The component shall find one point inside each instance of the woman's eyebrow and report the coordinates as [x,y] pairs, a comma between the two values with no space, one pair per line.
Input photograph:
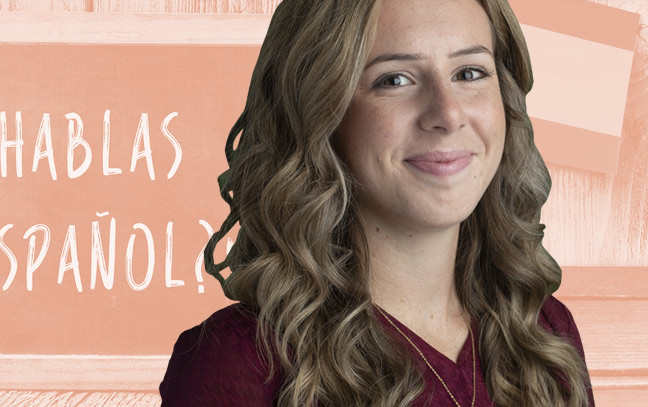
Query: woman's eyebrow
[475,49]
[396,57]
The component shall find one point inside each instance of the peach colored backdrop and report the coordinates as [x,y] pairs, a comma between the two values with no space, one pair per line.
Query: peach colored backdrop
[178,79]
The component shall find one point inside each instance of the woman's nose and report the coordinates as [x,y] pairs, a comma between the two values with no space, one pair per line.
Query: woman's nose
[442,111]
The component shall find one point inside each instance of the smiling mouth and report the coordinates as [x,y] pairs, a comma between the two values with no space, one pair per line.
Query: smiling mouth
[441,164]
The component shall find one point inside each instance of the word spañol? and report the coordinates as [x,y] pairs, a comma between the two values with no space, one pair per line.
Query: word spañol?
[99,268]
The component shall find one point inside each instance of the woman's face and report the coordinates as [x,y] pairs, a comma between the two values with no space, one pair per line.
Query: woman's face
[425,131]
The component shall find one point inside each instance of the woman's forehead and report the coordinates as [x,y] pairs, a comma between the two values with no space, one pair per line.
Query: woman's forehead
[432,27]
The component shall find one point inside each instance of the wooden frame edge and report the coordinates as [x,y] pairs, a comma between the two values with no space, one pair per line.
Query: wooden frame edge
[131,28]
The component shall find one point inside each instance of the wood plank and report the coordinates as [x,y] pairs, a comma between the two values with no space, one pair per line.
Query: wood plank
[630,397]
[543,14]
[603,283]
[621,397]
[614,333]
[557,141]
[614,380]
[132,28]
[129,6]
[219,6]
[43,5]
[13,398]
[82,372]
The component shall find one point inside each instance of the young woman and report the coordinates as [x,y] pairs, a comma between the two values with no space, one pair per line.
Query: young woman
[389,192]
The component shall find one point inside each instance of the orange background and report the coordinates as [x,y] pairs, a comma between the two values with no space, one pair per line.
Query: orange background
[119,340]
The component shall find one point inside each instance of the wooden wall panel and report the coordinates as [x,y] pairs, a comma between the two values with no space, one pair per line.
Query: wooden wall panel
[599,220]
[598,225]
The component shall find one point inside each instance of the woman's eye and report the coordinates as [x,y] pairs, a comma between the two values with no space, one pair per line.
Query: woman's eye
[472,74]
[393,81]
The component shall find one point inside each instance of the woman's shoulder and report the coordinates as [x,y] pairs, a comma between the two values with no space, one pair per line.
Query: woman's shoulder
[555,313]
[556,317]
[217,363]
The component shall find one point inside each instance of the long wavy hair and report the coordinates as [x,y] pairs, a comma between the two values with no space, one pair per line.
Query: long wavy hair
[300,258]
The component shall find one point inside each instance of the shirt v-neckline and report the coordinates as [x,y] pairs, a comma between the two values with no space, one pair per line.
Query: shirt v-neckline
[430,352]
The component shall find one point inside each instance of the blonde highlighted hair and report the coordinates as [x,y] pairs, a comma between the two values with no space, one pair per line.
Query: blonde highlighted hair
[300,258]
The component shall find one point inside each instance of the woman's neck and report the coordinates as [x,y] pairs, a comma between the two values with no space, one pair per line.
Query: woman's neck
[412,275]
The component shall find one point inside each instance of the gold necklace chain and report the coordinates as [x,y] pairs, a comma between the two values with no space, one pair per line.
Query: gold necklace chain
[472,342]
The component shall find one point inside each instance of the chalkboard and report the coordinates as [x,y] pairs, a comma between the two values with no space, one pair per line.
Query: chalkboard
[110,193]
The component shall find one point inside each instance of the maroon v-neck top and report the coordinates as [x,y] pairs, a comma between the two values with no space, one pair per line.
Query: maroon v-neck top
[216,363]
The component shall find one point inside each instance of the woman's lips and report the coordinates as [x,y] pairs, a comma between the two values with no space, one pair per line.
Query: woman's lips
[441,164]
